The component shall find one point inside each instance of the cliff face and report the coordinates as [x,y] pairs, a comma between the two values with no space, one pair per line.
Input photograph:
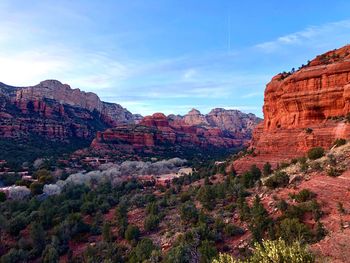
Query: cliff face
[304,109]
[64,94]
[55,111]
[158,133]
[226,120]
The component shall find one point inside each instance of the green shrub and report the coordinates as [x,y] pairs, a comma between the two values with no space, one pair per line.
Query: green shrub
[207,196]
[283,165]
[180,254]
[50,255]
[132,233]
[273,251]
[37,235]
[316,166]
[152,208]
[107,232]
[315,153]
[232,230]
[279,179]
[151,222]
[304,167]
[282,205]
[185,196]
[15,255]
[16,225]
[333,172]
[207,251]
[303,196]
[88,208]
[259,221]
[249,178]
[302,160]
[331,159]
[290,230]
[267,170]
[36,188]
[189,212]
[143,251]
[339,142]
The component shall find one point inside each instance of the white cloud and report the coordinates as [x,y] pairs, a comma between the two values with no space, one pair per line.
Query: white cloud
[29,67]
[330,32]
[189,74]
[252,94]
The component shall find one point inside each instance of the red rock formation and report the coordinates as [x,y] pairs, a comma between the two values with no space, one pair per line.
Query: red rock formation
[226,120]
[62,93]
[55,111]
[158,131]
[303,110]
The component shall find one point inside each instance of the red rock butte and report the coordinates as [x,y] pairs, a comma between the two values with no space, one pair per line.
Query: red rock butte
[303,109]
[159,130]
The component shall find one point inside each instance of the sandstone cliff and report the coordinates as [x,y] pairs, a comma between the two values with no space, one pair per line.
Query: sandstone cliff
[56,111]
[64,94]
[303,109]
[227,120]
[158,133]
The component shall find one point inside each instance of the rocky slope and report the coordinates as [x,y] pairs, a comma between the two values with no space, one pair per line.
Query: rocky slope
[332,192]
[158,133]
[303,109]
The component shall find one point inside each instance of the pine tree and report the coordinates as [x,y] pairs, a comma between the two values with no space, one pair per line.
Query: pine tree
[37,235]
[50,255]
[106,232]
[259,220]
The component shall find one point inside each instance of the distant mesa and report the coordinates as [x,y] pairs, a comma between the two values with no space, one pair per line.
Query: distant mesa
[56,111]
[158,133]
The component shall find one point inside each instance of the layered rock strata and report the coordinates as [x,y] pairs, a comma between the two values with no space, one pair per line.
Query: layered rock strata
[55,111]
[303,109]
[157,132]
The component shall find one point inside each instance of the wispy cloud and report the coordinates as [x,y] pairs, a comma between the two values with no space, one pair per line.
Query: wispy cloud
[189,74]
[252,94]
[105,63]
[310,34]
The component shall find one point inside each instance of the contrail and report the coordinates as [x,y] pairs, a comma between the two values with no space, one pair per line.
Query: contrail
[229,33]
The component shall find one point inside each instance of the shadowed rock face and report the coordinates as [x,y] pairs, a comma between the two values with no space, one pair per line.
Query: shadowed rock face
[159,132]
[55,111]
[304,109]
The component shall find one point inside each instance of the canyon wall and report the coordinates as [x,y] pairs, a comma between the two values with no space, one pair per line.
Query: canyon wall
[56,111]
[303,109]
[158,132]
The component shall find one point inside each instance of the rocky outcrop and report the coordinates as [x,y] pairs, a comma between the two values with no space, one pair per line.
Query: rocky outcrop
[158,133]
[227,120]
[194,117]
[303,109]
[62,93]
[55,111]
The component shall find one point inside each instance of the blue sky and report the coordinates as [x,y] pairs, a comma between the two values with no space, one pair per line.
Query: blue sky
[166,55]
